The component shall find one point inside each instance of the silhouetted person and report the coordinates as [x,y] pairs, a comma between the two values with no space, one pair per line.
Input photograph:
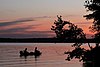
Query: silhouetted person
[25,52]
[36,52]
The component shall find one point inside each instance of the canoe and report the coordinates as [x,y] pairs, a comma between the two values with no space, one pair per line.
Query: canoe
[36,54]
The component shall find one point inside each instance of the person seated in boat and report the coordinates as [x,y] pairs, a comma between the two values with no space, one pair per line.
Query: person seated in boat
[25,52]
[36,50]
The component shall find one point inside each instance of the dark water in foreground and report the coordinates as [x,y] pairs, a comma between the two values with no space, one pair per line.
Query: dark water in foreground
[52,55]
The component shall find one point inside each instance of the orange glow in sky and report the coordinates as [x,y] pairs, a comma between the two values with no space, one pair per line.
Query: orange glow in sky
[33,16]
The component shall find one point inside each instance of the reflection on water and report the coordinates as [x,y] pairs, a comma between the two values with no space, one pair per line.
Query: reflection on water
[52,55]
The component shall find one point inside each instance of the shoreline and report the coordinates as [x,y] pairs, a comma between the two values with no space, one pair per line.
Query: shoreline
[46,40]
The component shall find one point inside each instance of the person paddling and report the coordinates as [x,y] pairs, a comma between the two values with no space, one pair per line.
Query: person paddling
[25,52]
[36,50]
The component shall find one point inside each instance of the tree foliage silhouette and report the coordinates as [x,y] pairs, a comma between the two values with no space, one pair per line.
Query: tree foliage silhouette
[67,30]
[90,56]
[94,7]
[72,32]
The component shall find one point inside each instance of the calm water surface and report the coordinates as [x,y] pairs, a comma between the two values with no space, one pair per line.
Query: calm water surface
[52,55]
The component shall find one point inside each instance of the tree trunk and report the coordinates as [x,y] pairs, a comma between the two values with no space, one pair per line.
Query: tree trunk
[88,64]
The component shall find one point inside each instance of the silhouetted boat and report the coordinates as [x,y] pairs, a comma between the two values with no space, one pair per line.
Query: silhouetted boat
[36,54]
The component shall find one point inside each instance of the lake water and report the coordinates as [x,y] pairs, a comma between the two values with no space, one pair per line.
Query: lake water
[52,55]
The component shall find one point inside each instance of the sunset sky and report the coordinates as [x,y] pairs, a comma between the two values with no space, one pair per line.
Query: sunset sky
[34,18]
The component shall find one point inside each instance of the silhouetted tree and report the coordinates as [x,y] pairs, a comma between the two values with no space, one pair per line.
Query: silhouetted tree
[70,31]
[90,57]
[94,7]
